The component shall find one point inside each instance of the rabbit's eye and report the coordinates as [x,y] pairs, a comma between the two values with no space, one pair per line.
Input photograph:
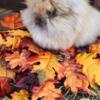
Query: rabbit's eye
[52,13]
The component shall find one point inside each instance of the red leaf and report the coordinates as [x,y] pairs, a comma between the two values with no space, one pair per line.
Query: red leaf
[12,21]
[5,88]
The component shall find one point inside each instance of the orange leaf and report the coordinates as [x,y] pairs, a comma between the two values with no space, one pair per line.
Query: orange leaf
[18,59]
[46,91]
[95,48]
[12,21]
[48,63]
[75,79]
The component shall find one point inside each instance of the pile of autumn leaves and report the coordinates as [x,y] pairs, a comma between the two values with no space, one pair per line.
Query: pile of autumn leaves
[26,71]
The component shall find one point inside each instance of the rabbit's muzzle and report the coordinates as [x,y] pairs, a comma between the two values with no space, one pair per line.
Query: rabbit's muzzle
[41,22]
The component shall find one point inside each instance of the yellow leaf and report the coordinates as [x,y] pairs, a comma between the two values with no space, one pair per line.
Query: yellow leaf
[18,32]
[21,95]
[6,72]
[2,41]
[91,66]
[12,41]
[48,63]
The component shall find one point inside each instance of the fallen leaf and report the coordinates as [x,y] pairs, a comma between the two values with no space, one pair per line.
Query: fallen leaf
[91,66]
[5,87]
[18,33]
[94,48]
[48,63]
[28,43]
[18,59]
[21,95]
[10,41]
[21,80]
[46,91]
[69,53]
[12,21]
[75,79]
[4,72]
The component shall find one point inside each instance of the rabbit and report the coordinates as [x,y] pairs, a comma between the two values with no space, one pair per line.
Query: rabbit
[60,24]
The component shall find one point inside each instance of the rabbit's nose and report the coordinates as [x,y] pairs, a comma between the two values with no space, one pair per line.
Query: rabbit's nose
[52,13]
[40,21]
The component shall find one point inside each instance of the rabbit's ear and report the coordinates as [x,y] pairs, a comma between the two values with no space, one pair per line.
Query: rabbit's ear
[14,5]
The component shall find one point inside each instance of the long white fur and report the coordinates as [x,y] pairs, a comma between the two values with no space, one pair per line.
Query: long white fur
[79,29]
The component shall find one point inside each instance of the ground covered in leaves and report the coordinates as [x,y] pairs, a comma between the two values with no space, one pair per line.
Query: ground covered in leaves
[28,72]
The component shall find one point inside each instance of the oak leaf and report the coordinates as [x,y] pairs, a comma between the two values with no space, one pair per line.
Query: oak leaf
[18,59]
[46,91]
[75,79]
[91,66]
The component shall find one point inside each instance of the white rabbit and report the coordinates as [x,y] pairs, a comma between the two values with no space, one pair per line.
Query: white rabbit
[59,24]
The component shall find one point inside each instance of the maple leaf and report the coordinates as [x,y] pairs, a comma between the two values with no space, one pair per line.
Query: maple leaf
[91,66]
[46,91]
[28,43]
[18,33]
[12,21]
[10,41]
[4,72]
[94,48]
[18,59]
[75,79]
[21,95]
[69,53]
[21,80]
[5,88]
[48,63]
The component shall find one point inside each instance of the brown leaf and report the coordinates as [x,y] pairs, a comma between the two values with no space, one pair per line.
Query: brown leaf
[46,91]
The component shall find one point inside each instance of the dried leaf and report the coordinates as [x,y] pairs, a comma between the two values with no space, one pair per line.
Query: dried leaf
[5,87]
[10,41]
[28,43]
[21,95]
[18,59]
[12,21]
[94,48]
[91,66]
[46,91]
[18,33]
[48,63]
[6,73]
[75,79]
[21,80]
